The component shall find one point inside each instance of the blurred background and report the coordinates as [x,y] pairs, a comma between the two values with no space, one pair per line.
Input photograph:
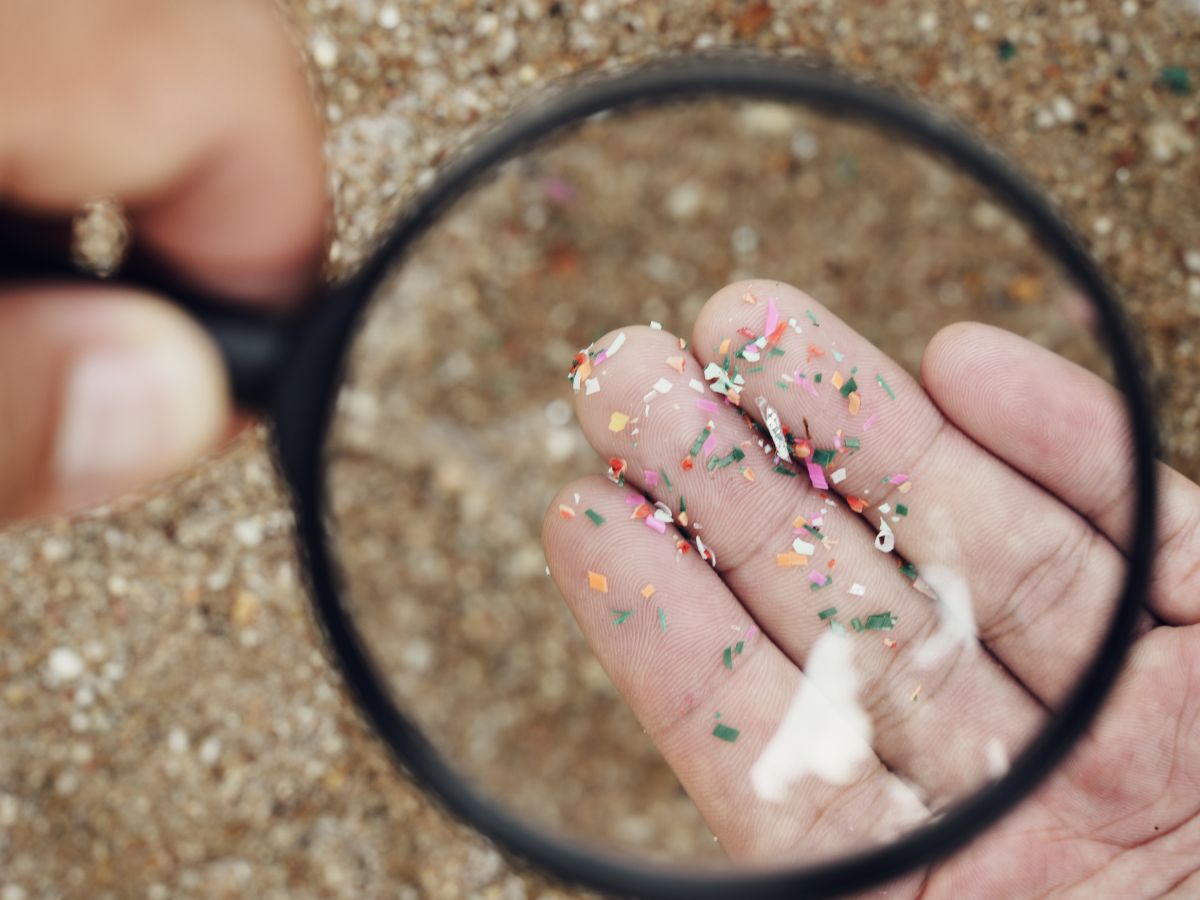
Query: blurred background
[169,724]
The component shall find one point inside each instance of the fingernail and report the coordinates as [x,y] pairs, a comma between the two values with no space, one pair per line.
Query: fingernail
[126,416]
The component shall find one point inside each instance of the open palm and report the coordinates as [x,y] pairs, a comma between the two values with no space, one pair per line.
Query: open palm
[706,571]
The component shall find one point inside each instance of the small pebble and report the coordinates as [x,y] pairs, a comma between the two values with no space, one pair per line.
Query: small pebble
[64,664]
[324,51]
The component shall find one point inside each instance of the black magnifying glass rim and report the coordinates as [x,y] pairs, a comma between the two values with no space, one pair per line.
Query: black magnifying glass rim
[305,405]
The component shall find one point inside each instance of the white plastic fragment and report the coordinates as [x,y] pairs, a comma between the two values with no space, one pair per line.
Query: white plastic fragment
[592,385]
[885,540]
[838,475]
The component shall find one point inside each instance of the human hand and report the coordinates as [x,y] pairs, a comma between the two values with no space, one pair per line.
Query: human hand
[1007,428]
[197,118]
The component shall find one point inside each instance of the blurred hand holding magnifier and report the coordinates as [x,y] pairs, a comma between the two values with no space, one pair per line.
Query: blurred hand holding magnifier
[836,617]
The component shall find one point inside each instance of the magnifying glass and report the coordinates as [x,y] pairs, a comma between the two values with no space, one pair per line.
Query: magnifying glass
[792,659]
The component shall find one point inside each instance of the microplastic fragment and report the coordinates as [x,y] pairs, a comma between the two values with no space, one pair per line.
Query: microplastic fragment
[774,427]
[618,421]
[656,524]
[620,615]
[804,548]
[737,648]
[790,559]
[666,480]
[784,470]
[651,477]
[885,540]
[856,624]
[884,507]
[655,326]
[910,570]
[617,344]
[592,385]
[838,475]
[819,579]
[849,387]
[855,403]
[879,622]
[662,619]
[836,627]
[696,385]
[772,317]
[857,589]
[838,381]
[812,318]
[596,518]
[648,591]
[720,462]
[883,384]
[663,386]
[706,405]
[676,363]
[816,476]
[565,511]
[724,348]
[853,443]
[901,509]
[598,582]
[698,444]
[823,457]
[826,613]
[728,658]
[870,421]
[725,733]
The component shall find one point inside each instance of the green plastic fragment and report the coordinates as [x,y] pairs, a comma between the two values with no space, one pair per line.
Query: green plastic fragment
[596,518]
[1176,79]
[901,509]
[883,384]
[813,586]
[856,624]
[775,351]
[725,733]
[826,613]
[849,387]
[782,385]
[814,532]
[853,443]
[836,627]
[784,470]
[729,658]
[755,370]
[823,457]
[666,480]
[662,619]
[812,318]
[620,615]
[737,648]
[1006,49]
[910,570]
[880,622]
[817,378]
[698,444]
[682,503]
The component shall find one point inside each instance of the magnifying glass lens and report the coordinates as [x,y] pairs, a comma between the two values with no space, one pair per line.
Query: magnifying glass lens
[655,522]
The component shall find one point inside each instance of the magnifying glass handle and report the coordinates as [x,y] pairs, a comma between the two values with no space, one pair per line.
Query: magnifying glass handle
[253,344]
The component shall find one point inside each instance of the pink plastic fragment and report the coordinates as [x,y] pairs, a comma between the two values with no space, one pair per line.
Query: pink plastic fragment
[657,525]
[772,317]
[870,421]
[710,445]
[817,577]
[808,385]
[898,478]
[816,476]
[706,405]
[651,477]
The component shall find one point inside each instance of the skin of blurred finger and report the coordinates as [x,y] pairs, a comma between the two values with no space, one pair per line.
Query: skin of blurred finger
[1067,429]
[66,445]
[675,681]
[195,115]
[966,701]
[1021,549]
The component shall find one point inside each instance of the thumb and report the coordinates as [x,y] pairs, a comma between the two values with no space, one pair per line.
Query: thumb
[101,390]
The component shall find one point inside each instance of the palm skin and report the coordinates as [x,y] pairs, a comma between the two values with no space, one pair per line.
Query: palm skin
[1014,464]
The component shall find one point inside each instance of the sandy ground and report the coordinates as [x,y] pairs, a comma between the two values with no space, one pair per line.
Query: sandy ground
[206,748]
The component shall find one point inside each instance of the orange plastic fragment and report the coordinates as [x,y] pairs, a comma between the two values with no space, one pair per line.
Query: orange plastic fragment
[686,464]
[642,510]
[676,363]
[749,473]
[790,560]
[565,511]
[648,591]
[724,348]
[598,582]
[855,403]
[856,503]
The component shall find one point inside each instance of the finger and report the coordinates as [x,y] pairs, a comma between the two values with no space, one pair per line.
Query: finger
[101,390]
[681,448]
[196,115]
[1067,429]
[659,623]
[1040,578]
